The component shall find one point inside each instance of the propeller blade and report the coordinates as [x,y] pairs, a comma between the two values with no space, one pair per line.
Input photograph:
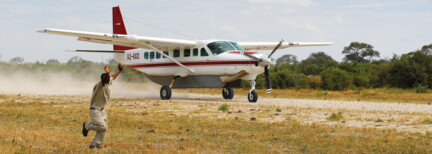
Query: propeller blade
[267,79]
[280,42]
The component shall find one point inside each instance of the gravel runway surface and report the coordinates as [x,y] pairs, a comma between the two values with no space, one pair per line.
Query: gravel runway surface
[400,116]
[403,117]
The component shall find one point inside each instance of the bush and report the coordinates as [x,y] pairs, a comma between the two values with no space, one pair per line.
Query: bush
[314,81]
[335,117]
[335,79]
[361,81]
[301,81]
[427,121]
[319,94]
[223,107]
[421,88]
[409,69]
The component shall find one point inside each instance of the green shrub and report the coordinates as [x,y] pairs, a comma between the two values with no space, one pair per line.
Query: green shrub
[278,110]
[320,93]
[223,107]
[301,81]
[361,81]
[335,117]
[335,79]
[427,121]
[421,88]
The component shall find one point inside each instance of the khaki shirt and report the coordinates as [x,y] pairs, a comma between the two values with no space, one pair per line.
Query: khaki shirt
[101,95]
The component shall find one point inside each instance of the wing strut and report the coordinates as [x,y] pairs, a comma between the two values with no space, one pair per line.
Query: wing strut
[172,59]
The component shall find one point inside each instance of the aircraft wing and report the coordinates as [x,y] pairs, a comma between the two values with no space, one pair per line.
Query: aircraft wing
[272,45]
[152,43]
[123,40]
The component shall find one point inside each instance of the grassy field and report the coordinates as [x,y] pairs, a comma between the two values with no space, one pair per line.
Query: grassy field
[393,95]
[41,124]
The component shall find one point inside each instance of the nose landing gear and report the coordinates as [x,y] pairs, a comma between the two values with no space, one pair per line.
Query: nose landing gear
[252,96]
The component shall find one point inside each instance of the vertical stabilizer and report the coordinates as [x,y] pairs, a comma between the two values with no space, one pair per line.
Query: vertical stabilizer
[119,27]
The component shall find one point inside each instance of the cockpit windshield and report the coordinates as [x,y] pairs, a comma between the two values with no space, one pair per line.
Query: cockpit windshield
[219,47]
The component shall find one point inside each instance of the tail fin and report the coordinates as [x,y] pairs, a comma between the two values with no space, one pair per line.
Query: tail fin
[119,27]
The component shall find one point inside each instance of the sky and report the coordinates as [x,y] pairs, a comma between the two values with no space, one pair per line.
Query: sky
[391,26]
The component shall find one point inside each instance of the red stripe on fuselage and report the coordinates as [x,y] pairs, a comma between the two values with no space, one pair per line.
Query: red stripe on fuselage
[195,64]
[247,52]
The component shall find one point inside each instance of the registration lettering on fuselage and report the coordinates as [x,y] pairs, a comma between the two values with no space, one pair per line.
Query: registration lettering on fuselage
[133,56]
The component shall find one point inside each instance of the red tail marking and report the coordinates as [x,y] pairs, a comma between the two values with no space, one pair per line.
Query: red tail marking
[119,27]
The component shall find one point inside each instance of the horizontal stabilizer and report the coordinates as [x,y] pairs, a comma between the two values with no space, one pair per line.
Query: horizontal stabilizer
[98,51]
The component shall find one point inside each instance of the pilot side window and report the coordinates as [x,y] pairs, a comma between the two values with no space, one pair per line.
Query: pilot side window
[166,53]
[176,53]
[158,55]
[204,52]
[186,52]
[146,55]
[152,54]
[195,51]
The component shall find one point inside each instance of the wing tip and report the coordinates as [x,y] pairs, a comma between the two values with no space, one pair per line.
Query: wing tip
[43,31]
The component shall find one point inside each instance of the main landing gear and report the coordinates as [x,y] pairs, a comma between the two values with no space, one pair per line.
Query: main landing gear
[228,93]
[165,91]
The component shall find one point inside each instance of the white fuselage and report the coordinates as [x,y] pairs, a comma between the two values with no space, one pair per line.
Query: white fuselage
[200,59]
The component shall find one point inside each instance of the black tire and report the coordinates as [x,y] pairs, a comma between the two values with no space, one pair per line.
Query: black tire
[165,92]
[228,93]
[252,96]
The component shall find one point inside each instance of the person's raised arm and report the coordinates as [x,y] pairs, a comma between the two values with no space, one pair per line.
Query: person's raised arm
[120,67]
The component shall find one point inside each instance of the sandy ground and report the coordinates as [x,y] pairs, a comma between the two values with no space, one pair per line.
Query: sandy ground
[398,116]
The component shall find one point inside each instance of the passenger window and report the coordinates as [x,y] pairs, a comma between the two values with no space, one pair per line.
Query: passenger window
[195,52]
[176,53]
[204,52]
[166,53]
[152,54]
[158,55]
[186,52]
[146,55]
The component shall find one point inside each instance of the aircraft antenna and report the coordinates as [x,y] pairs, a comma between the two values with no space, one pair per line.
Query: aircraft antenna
[157,27]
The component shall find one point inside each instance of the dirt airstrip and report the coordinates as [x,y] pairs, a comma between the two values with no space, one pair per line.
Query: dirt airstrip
[402,117]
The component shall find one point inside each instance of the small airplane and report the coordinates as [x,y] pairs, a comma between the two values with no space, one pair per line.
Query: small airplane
[176,63]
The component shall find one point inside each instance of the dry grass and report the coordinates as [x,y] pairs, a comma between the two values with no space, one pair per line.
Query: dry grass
[41,124]
[374,95]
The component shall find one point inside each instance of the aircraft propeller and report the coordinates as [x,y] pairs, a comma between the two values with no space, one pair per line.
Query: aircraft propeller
[266,63]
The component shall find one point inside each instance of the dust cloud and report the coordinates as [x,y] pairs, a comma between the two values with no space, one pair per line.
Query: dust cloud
[63,83]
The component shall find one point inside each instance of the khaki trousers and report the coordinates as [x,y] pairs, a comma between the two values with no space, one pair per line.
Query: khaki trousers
[99,124]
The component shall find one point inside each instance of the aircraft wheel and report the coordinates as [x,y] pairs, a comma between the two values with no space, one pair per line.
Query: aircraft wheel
[228,93]
[252,96]
[165,92]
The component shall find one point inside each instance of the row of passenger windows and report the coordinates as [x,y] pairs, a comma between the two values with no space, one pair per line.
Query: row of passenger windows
[176,53]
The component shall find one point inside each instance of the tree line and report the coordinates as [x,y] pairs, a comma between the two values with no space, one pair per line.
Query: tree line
[359,69]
